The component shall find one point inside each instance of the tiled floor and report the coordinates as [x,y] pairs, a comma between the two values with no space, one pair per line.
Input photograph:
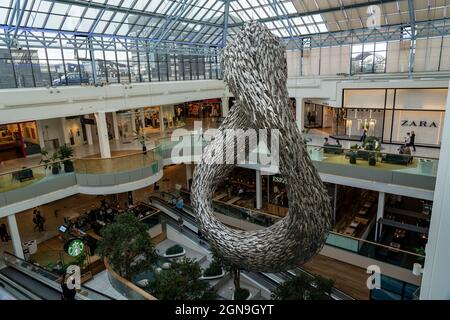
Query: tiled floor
[115,145]
[101,283]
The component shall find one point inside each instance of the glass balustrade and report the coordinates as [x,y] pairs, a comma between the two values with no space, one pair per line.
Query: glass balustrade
[334,154]
[128,162]
[16,179]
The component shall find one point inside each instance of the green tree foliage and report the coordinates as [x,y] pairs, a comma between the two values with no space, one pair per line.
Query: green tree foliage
[181,282]
[234,269]
[304,287]
[127,246]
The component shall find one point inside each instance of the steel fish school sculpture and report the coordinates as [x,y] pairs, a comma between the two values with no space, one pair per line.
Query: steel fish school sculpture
[255,70]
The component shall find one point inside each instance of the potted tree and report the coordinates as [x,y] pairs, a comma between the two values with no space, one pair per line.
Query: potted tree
[65,153]
[239,293]
[127,246]
[51,162]
[372,159]
[352,156]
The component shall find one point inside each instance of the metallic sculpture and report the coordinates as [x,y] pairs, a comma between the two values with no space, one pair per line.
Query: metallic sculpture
[255,70]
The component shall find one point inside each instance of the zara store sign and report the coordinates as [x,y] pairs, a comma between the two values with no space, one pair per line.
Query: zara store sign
[417,123]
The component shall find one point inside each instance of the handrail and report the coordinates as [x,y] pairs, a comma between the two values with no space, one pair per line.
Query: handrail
[332,146]
[239,207]
[76,159]
[332,232]
[377,244]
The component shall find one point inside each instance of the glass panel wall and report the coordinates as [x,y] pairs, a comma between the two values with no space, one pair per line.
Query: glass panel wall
[63,60]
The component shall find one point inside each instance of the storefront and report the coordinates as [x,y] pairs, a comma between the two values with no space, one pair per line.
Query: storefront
[389,114]
[17,140]
[320,115]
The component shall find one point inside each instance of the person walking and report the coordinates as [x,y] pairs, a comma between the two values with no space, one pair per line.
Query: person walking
[412,140]
[35,220]
[68,292]
[4,233]
[40,221]
[363,136]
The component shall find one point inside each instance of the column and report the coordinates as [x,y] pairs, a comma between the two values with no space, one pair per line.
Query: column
[161,119]
[142,116]
[64,130]
[88,130]
[133,122]
[225,106]
[103,139]
[436,275]
[40,130]
[15,236]
[115,126]
[380,213]
[299,113]
[188,174]
[258,190]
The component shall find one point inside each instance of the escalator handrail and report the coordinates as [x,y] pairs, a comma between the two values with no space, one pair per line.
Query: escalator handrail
[52,283]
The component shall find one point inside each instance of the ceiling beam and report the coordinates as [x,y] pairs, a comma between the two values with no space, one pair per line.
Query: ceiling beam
[320,11]
[102,6]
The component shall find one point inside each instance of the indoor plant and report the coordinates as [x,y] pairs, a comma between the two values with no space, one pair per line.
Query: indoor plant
[65,153]
[51,161]
[352,156]
[372,159]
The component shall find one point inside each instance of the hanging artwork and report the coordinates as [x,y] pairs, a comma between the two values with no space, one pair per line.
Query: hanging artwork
[255,70]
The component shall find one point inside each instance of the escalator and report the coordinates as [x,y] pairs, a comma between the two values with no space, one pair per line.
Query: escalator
[26,281]
[268,280]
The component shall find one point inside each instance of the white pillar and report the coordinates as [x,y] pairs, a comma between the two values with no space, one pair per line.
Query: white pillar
[299,113]
[380,213]
[225,106]
[188,174]
[436,275]
[161,118]
[141,114]
[133,122]
[65,132]
[258,190]
[103,139]
[15,236]
[89,134]
[40,129]
[115,126]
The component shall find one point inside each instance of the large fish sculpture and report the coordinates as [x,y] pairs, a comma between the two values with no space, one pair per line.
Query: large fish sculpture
[255,70]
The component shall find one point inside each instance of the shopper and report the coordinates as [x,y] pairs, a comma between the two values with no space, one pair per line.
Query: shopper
[4,233]
[68,294]
[180,203]
[412,141]
[35,220]
[326,142]
[40,221]
[363,136]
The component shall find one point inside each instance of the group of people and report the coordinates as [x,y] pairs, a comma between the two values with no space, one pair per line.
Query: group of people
[409,143]
[38,220]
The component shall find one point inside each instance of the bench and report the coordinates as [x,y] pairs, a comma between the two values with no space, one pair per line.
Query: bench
[396,159]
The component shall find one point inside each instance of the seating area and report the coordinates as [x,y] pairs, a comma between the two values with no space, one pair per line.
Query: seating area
[396,159]
[24,175]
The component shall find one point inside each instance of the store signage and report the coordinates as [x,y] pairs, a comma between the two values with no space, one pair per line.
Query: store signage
[414,123]
[279,179]
[74,247]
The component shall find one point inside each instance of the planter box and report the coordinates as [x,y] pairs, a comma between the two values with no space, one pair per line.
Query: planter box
[213,277]
[250,296]
[176,255]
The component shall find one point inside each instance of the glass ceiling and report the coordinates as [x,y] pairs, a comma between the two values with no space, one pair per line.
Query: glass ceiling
[200,22]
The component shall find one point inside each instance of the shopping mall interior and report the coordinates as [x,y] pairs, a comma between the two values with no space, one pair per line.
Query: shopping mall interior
[97,96]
